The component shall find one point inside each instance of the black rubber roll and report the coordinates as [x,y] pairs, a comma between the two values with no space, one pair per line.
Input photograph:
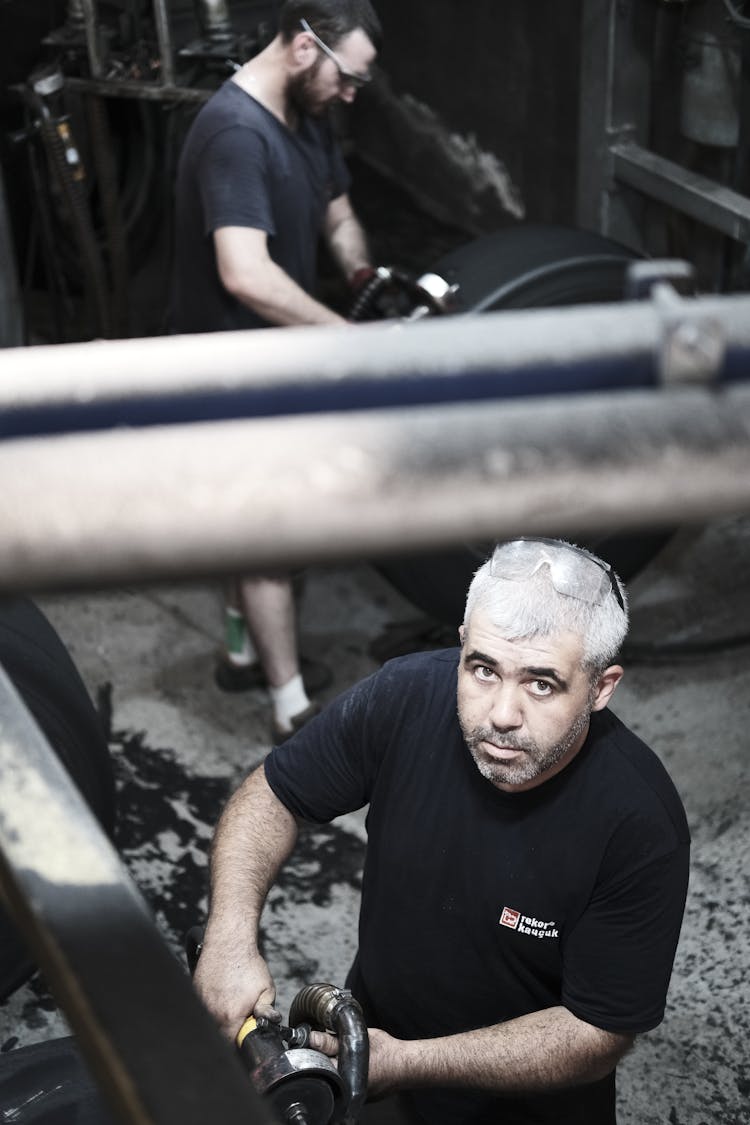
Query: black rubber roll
[46,678]
[523,267]
[50,1084]
[532,266]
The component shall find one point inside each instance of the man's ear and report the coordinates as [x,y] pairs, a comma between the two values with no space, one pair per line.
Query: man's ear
[461,634]
[605,686]
[303,49]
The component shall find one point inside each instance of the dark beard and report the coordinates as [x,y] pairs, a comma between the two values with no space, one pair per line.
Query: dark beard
[300,93]
[537,759]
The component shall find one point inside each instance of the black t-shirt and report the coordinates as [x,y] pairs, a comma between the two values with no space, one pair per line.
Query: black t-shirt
[478,905]
[242,167]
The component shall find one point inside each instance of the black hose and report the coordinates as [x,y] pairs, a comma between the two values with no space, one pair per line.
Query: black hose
[112,218]
[334,1009]
[80,219]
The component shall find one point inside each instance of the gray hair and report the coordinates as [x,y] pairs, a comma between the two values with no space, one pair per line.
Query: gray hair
[522,597]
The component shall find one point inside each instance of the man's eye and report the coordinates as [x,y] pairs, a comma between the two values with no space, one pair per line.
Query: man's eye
[541,687]
[482,672]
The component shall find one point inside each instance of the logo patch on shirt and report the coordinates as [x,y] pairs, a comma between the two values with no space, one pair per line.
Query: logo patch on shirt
[510,918]
[515,920]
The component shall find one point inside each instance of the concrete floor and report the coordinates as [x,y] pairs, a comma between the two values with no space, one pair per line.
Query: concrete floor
[155,648]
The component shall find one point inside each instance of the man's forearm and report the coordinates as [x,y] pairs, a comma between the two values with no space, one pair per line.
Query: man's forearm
[278,299]
[543,1051]
[254,837]
[346,238]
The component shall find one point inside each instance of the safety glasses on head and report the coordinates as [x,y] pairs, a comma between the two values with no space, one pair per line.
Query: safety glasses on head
[573,571]
[347,77]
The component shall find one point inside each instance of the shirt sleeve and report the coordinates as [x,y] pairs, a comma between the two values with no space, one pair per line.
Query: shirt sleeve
[617,961]
[233,181]
[329,767]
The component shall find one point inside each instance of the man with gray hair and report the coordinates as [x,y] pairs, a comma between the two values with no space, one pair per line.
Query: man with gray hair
[527,857]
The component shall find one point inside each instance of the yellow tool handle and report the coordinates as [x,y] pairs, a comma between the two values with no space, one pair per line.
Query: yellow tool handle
[249,1025]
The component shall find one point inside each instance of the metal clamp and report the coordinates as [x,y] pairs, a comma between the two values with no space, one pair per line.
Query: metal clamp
[692,343]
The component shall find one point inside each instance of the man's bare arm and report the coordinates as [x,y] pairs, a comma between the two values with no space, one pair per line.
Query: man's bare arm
[345,237]
[537,1053]
[248,272]
[255,835]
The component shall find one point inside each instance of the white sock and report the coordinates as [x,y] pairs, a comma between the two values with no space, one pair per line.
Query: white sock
[289,700]
[239,647]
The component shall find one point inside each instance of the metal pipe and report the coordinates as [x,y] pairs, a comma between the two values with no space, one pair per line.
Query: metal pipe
[702,199]
[159,1063]
[93,43]
[197,500]
[143,91]
[164,39]
[498,355]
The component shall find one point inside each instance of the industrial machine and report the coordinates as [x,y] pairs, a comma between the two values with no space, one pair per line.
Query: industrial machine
[648,149]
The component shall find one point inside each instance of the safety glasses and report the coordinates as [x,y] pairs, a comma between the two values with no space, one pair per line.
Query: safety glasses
[573,571]
[347,77]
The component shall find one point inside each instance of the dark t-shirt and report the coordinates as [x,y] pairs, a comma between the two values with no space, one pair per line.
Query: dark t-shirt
[478,905]
[242,167]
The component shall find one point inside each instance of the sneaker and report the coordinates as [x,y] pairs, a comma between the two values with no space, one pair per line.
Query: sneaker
[237,677]
[280,734]
[243,677]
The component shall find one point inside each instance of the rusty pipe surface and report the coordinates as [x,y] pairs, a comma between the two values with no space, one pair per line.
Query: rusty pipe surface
[187,501]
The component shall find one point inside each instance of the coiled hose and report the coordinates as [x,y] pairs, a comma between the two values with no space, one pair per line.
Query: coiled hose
[328,1008]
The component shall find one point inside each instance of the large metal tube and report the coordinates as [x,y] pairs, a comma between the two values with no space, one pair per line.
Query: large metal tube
[184,501]
[286,371]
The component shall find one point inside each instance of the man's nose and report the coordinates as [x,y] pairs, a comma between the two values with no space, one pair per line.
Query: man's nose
[505,711]
[347,93]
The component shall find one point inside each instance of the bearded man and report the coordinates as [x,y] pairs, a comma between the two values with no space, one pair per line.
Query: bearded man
[527,857]
[260,181]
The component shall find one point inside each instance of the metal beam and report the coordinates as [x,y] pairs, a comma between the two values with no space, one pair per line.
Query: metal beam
[289,371]
[384,438]
[197,500]
[702,199]
[614,103]
[155,1051]
[143,91]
